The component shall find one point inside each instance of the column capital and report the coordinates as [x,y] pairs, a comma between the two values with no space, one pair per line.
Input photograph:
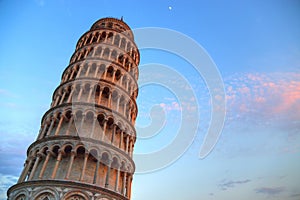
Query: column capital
[73,153]
[51,153]
[40,154]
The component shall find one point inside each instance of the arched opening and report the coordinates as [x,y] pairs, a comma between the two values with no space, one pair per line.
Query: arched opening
[105,96]
[117,40]
[114,55]
[110,72]
[110,37]
[120,58]
[97,94]
[95,38]
[123,43]
[103,36]
[117,75]
[128,47]
[98,51]
[106,53]
[101,71]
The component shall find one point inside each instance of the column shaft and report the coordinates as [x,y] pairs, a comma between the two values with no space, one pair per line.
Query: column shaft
[34,168]
[84,166]
[56,164]
[73,153]
[44,165]
[59,125]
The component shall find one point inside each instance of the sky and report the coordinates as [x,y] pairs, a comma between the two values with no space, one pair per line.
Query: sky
[253,45]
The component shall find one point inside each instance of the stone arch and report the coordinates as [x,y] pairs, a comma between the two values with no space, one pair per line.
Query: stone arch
[110,37]
[46,194]
[114,55]
[93,69]
[117,40]
[101,118]
[121,58]
[55,148]
[90,52]
[101,71]
[67,148]
[89,38]
[106,53]
[104,198]
[95,38]
[118,75]
[76,195]
[44,149]
[93,154]
[105,156]
[103,36]
[80,148]
[115,162]
[21,195]
[110,71]
[94,151]
[105,92]
[98,51]
[123,43]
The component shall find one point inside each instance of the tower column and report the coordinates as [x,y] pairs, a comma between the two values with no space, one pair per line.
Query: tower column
[80,93]
[49,153]
[69,124]
[43,131]
[79,71]
[124,183]
[73,154]
[62,98]
[38,157]
[127,143]
[96,171]
[128,191]
[72,74]
[96,72]
[59,124]
[93,126]
[24,173]
[86,155]
[80,129]
[118,102]
[56,100]
[88,70]
[57,163]
[109,99]
[121,140]
[117,180]
[90,94]
[113,133]
[100,96]
[104,130]
[51,126]
[71,94]
[108,173]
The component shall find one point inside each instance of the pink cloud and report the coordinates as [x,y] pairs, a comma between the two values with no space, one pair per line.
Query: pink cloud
[273,94]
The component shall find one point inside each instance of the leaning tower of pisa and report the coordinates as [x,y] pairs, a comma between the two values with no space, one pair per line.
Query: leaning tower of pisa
[84,148]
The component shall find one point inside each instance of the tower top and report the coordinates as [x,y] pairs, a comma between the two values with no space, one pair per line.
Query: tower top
[113,23]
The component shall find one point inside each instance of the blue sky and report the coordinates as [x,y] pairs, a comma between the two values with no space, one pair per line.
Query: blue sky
[254,44]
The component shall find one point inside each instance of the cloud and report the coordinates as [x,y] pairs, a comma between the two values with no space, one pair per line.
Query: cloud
[264,96]
[173,106]
[5,182]
[231,184]
[270,190]
[295,195]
